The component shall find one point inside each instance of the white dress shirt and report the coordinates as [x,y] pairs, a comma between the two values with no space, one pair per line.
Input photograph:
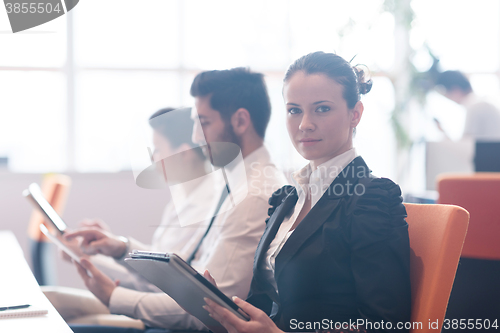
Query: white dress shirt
[227,251]
[482,122]
[305,181]
[168,237]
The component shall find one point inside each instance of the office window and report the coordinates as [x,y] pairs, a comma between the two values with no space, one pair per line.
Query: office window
[463,34]
[43,46]
[33,97]
[124,60]
[235,33]
[32,120]
[107,103]
[127,34]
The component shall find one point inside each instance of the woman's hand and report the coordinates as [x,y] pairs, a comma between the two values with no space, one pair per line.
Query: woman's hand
[259,321]
[209,277]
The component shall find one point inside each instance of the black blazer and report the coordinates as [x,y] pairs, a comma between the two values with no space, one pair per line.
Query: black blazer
[349,258]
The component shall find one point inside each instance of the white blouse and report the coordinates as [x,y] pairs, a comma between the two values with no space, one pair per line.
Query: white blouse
[315,183]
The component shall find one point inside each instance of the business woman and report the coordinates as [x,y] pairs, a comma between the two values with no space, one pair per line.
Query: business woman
[335,251]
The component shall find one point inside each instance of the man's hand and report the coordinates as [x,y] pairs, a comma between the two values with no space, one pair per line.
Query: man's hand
[97,282]
[74,245]
[97,241]
[94,223]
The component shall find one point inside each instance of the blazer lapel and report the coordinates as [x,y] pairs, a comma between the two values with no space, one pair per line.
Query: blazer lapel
[340,187]
[273,225]
[259,281]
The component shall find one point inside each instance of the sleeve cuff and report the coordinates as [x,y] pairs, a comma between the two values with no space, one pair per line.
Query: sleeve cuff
[132,244]
[124,301]
[127,248]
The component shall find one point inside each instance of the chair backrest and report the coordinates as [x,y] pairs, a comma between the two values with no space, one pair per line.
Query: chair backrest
[437,234]
[479,194]
[55,188]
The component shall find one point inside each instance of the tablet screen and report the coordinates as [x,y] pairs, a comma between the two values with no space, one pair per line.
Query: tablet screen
[34,193]
[187,270]
[208,284]
[59,244]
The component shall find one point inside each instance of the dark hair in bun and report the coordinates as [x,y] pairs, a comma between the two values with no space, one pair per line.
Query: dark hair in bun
[364,85]
[335,67]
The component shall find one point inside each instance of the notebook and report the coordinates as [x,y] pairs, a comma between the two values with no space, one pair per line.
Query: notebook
[32,311]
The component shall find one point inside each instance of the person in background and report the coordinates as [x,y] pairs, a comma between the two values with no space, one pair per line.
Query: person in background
[482,122]
[232,106]
[336,247]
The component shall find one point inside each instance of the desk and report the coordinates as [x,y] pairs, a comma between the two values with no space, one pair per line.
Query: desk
[18,285]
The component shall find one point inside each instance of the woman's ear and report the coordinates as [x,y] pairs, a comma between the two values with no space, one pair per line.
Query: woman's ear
[240,121]
[357,113]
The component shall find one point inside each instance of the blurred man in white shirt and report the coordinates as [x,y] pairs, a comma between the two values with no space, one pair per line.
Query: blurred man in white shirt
[482,122]
[232,106]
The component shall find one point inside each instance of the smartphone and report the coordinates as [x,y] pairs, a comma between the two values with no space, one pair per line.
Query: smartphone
[59,244]
[35,196]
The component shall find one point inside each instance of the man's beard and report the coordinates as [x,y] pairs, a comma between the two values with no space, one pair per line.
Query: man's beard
[226,148]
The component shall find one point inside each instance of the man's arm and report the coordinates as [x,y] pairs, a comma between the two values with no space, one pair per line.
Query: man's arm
[97,241]
[229,249]
[227,252]
[127,276]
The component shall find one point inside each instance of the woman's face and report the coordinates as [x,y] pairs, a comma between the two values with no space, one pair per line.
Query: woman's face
[318,120]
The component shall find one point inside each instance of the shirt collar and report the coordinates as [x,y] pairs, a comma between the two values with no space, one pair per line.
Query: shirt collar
[240,170]
[320,179]
[260,155]
[470,100]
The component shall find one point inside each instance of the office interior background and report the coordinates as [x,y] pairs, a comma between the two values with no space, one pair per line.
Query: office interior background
[73,91]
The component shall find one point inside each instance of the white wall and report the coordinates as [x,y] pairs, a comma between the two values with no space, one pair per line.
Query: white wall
[113,197]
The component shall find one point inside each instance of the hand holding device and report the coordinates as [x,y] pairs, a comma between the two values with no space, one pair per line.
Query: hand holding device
[94,223]
[259,321]
[73,245]
[58,243]
[184,284]
[209,277]
[96,281]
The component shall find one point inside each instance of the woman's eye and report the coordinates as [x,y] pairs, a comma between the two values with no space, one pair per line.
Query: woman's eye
[294,110]
[323,108]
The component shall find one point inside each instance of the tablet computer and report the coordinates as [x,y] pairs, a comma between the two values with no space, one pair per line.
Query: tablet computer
[35,196]
[184,284]
[59,244]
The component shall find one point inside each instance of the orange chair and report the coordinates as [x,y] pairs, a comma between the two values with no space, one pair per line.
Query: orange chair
[437,234]
[55,188]
[479,193]
[476,291]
